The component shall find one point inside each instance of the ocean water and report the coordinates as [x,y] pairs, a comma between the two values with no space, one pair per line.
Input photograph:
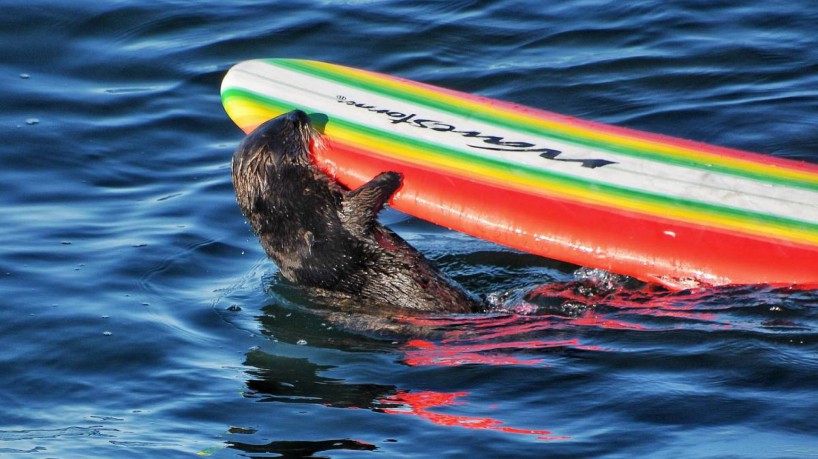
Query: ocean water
[140,318]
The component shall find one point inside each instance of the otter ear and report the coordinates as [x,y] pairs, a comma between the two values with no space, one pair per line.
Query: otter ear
[361,206]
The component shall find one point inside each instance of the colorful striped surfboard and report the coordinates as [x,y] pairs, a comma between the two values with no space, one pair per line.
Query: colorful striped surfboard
[657,208]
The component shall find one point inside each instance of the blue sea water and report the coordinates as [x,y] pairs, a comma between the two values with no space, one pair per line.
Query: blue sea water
[140,318]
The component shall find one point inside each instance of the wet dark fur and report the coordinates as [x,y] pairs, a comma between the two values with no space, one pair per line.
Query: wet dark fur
[328,238]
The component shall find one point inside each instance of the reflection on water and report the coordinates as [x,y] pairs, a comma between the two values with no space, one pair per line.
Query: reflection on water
[289,380]
[302,449]
[298,381]
[421,404]
[510,335]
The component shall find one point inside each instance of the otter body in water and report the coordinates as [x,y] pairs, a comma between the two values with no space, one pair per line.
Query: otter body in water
[328,238]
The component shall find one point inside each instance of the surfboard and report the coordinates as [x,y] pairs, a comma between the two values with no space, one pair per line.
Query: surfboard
[661,209]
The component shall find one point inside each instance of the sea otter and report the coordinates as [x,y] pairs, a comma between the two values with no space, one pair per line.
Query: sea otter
[327,238]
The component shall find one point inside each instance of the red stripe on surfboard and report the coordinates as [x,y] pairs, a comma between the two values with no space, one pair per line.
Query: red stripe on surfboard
[645,247]
[611,129]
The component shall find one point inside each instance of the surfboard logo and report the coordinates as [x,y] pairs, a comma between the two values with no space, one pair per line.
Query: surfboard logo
[489,142]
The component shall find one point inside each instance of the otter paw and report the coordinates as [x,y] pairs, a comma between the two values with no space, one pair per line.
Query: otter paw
[390,177]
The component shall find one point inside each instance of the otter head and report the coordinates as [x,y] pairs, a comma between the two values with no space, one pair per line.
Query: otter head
[286,140]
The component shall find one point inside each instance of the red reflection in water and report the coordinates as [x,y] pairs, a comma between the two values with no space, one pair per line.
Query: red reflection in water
[426,353]
[645,301]
[419,403]
[493,339]
[591,319]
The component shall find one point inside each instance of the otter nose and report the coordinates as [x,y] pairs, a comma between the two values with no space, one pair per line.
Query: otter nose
[298,117]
